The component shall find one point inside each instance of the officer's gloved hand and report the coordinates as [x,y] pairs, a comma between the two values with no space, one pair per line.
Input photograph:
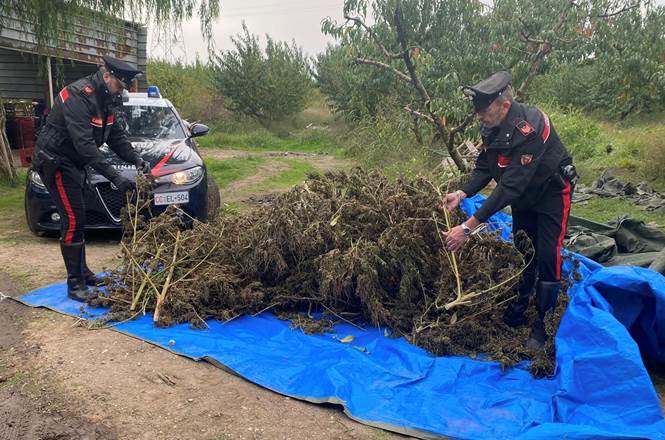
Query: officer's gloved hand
[143,167]
[123,184]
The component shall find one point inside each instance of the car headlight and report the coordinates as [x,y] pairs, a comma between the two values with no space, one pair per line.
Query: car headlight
[36,179]
[184,177]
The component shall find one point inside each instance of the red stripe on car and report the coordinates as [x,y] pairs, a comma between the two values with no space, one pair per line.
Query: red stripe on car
[68,207]
[157,170]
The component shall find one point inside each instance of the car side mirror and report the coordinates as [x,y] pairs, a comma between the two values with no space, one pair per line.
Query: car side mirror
[198,129]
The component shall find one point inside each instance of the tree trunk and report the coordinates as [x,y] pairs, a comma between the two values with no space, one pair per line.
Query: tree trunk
[7,167]
[416,131]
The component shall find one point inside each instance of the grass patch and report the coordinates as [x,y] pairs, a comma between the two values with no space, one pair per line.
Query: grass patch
[636,147]
[18,378]
[311,140]
[11,195]
[230,170]
[295,174]
[602,210]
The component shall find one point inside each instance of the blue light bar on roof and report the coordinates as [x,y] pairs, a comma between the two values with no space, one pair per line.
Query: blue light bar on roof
[153,92]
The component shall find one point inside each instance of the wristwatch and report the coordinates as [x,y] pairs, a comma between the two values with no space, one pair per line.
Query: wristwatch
[467,230]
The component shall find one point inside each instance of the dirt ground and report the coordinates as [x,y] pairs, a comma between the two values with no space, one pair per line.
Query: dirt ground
[242,191]
[61,381]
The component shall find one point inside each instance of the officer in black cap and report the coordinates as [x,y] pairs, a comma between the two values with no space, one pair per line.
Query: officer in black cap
[534,175]
[82,119]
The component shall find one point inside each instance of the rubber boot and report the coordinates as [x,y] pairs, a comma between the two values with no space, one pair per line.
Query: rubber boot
[76,287]
[90,278]
[547,293]
[515,314]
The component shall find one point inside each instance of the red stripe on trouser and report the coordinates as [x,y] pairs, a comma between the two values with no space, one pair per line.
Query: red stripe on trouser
[565,198]
[68,207]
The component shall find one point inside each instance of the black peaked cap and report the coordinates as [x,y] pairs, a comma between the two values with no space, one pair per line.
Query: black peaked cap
[487,90]
[122,70]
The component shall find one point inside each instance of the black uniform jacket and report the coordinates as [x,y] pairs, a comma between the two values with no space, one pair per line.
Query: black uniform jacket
[84,117]
[523,155]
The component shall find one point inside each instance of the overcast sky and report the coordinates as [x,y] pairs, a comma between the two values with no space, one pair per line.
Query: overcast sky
[284,20]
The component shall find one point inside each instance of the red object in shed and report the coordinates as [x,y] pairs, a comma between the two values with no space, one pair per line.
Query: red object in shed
[26,139]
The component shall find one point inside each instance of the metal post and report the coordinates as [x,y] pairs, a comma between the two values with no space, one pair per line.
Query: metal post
[50,81]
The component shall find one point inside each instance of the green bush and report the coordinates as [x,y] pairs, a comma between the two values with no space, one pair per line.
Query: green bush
[653,160]
[581,135]
[387,142]
[268,85]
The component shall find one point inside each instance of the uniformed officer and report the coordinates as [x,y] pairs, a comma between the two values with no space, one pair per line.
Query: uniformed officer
[534,175]
[83,118]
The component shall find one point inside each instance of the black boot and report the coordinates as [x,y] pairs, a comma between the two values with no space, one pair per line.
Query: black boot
[547,293]
[76,287]
[90,278]
[515,314]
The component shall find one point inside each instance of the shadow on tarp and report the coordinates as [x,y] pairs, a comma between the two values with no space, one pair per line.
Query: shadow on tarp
[600,389]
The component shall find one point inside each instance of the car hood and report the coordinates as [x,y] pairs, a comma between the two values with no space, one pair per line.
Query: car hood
[164,156]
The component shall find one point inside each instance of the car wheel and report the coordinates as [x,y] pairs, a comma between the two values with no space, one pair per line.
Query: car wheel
[214,199]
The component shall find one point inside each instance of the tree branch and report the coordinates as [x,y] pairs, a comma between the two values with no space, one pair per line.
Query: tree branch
[608,14]
[460,128]
[406,56]
[401,75]
[374,37]
[427,101]
[544,49]
[420,115]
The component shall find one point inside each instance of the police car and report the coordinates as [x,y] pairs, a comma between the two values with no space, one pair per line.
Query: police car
[165,141]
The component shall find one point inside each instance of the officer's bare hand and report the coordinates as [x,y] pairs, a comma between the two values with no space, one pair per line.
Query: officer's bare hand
[455,238]
[453,199]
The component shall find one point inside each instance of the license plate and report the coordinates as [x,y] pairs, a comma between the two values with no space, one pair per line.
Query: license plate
[173,198]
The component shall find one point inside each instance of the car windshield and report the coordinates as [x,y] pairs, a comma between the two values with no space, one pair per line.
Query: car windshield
[152,122]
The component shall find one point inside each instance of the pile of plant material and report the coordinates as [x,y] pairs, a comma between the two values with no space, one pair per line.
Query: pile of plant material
[356,246]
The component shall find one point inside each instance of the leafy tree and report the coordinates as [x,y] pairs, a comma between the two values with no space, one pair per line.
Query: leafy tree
[266,85]
[51,17]
[340,80]
[613,63]
[436,46]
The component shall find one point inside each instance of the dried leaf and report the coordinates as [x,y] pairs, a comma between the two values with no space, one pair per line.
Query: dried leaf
[347,339]
[453,319]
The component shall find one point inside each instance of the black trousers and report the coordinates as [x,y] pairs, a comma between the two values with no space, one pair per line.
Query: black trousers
[65,184]
[545,224]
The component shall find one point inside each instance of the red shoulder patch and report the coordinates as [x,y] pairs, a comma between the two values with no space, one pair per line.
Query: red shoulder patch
[524,127]
[64,94]
[88,90]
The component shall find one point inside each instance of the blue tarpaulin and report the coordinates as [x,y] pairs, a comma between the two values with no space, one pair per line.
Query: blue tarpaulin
[600,388]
